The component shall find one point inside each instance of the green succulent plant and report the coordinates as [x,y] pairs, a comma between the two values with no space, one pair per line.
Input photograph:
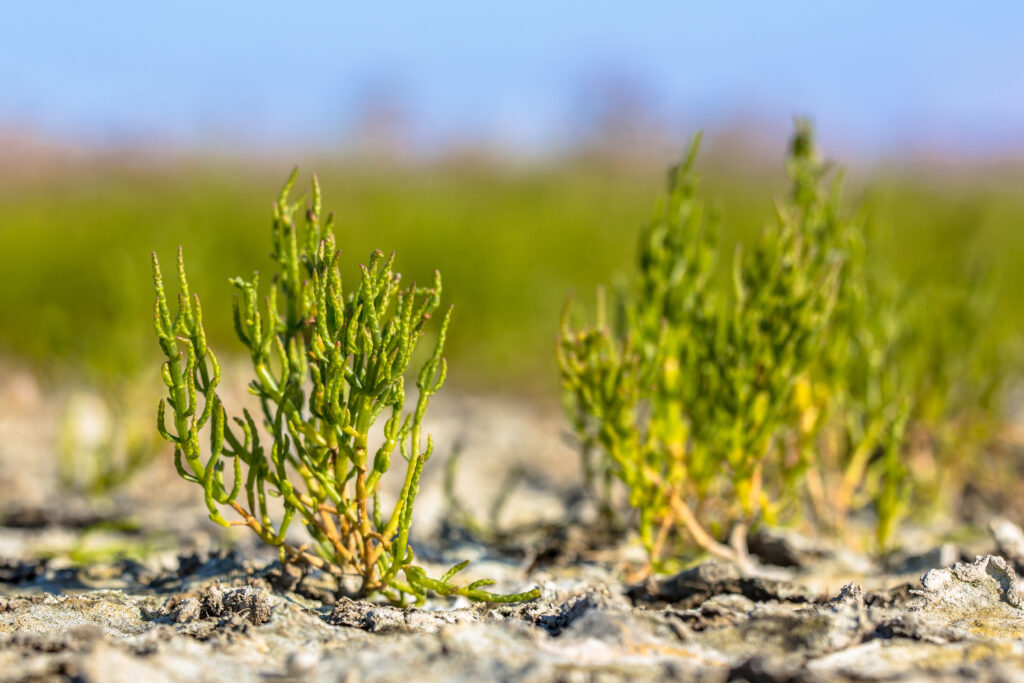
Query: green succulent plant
[713,405]
[329,364]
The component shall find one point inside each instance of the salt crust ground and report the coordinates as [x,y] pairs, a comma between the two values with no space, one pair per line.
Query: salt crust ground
[193,611]
[227,621]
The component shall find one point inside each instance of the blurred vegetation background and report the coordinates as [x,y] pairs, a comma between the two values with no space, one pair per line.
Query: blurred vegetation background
[512,242]
[516,149]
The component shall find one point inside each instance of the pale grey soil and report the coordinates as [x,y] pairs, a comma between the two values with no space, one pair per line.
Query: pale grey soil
[228,622]
[198,603]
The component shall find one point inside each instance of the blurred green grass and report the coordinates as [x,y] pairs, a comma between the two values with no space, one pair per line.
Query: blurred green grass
[511,245]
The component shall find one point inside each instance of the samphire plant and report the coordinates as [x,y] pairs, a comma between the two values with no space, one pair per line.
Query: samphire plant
[903,397]
[852,406]
[711,403]
[329,363]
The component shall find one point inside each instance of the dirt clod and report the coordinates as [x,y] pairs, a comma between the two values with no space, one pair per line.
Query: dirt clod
[215,602]
[692,587]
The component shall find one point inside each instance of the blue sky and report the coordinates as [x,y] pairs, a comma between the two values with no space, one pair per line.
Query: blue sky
[873,74]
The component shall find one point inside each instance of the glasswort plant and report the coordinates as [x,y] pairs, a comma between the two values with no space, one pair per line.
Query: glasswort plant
[685,395]
[328,364]
[818,378]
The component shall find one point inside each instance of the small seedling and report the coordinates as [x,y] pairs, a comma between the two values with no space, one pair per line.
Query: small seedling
[329,363]
[104,441]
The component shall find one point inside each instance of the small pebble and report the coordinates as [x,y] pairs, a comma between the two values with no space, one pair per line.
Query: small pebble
[301,662]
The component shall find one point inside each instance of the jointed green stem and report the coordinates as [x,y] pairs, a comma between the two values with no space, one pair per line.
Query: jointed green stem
[355,349]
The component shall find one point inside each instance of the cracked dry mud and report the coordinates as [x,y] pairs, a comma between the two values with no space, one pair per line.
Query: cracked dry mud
[187,609]
[965,620]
